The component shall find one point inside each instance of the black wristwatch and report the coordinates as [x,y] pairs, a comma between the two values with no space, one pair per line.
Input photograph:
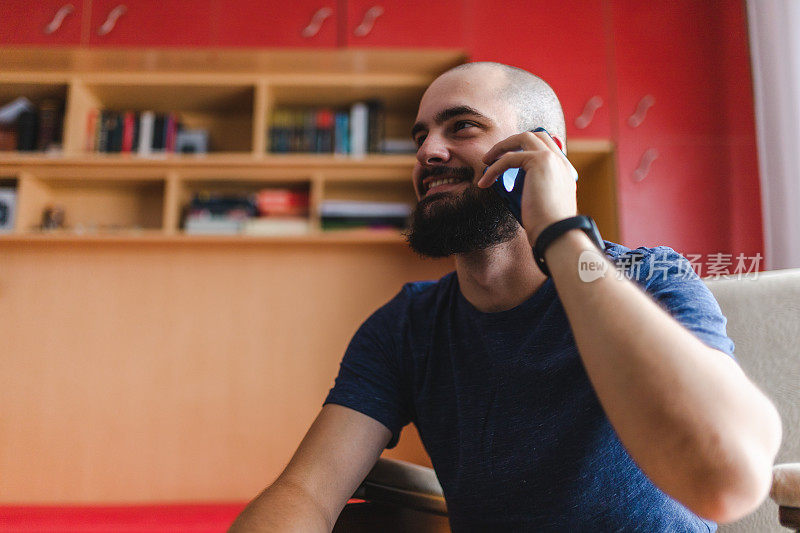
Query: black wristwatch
[557,229]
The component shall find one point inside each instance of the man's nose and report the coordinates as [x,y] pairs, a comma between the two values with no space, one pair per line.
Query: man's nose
[433,150]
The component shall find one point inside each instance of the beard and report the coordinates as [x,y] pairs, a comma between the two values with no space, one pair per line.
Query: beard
[448,223]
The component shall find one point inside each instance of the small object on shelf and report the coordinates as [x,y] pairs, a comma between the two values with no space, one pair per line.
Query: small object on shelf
[275,225]
[50,125]
[208,224]
[53,217]
[347,214]
[27,123]
[282,202]
[8,201]
[192,142]
[8,138]
[10,112]
[218,214]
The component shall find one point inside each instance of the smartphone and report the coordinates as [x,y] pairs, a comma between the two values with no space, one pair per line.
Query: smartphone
[509,185]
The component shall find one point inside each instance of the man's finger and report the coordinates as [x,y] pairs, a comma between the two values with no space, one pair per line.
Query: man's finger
[526,141]
[496,169]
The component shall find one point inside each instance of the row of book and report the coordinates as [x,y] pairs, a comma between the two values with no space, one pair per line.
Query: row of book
[144,133]
[26,126]
[355,131]
[284,211]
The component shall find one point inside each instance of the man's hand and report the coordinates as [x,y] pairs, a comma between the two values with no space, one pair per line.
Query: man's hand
[549,192]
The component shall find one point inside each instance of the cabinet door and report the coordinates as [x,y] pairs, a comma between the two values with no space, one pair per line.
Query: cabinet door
[257,23]
[671,124]
[565,43]
[406,23]
[148,23]
[46,22]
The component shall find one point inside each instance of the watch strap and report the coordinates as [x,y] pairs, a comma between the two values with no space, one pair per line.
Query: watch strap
[555,230]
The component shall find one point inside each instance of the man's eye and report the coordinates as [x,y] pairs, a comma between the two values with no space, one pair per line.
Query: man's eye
[462,124]
[419,140]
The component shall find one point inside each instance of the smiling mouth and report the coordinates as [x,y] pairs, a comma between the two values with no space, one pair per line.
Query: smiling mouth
[435,183]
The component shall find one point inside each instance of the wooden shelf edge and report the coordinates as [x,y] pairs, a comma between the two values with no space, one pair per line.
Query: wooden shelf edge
[225,61]
[158,237]
[575,148]
[221,159]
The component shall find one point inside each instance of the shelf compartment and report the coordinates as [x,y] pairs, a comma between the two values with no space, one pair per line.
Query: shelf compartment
[8,203]
[38,94]
[399,100]
[225,111]
[248,187]
[94,206]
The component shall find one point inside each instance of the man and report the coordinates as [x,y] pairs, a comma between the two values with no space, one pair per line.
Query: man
[546,403]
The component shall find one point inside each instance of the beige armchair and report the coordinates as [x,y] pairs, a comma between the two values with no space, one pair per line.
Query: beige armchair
[764,322]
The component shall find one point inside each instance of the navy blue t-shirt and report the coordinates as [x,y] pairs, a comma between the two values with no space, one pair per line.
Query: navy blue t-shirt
[504,407]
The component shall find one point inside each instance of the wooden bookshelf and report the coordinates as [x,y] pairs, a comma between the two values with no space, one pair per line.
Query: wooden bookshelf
[231,95]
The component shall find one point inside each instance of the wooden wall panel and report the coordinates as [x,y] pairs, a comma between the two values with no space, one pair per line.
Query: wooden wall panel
[163,372]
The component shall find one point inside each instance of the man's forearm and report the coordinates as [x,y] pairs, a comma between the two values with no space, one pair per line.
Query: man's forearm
[283,507]
[686,413]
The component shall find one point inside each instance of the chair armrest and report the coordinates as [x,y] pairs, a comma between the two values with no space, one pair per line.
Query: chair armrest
[404,484]
[786,493]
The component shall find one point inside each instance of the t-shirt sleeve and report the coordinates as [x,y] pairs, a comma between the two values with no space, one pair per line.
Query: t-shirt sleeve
[670,279]
[370,378]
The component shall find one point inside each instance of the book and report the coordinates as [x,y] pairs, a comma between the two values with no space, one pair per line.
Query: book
[115,132]
[359,129]
[354,208]
[341,133]
[91,130]
[376,125]
[159,136]
[272,225]
[128,126]
[27,123]
[282,202]
[10,112]
[49,124]
[207,224]
[171,132]
[323,140]
[146,125]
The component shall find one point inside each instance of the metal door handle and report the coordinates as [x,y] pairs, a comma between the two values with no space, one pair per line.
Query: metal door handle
[316,22]
[111,20]
[641,172]
[585,118]
[372,14]
[58,19]
[635,120]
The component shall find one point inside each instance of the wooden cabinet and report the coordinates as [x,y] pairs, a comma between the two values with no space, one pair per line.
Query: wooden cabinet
[146,23]
[566,43]
[247,23]
[307,23]
[675,176]
[406,23]
[45,22]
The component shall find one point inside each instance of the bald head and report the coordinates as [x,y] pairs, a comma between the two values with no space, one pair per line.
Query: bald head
[529,96]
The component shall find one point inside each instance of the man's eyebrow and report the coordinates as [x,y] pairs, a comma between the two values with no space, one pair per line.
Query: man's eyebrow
[447,114]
